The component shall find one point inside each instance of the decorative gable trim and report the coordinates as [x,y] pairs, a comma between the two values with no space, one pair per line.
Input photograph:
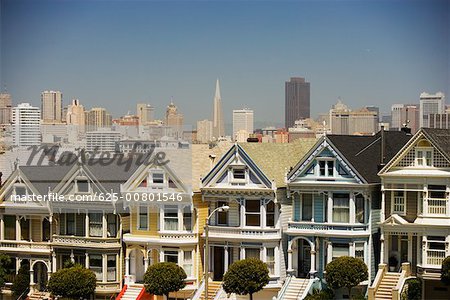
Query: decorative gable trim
[305,163]
[235,157]
[17,176]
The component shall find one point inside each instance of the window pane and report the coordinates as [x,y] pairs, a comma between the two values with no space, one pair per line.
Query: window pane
[270,214]
[270,260]
[359,206]
[187,218]
[158,178]
[359,251]
[330,165]
[341,209]
[252,253]
[111,275]
[306,207]
[340,250]
[187,265]
[171,217]
[95,265]
[70,224]
[322,168]
[222,216]
[20,191]
[252,206]
[252,220]
[112,226]
[83,186]
[239,174]
[10,227]
[143,217]
[95,224]
[171,256]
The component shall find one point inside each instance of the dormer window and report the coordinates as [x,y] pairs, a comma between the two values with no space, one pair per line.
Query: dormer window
[239,174]
[424,157]
[158,177]
[326,168]
[20,190]
[82,186]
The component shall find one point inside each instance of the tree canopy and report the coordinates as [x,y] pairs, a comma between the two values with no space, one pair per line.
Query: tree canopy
[445,271]
[246,276]
[346,272]
[163,278]
[73,282]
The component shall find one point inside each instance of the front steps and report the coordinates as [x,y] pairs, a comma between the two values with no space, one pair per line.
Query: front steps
[39,296]
[295,289]
[213,288]
[387,284]
[132,292]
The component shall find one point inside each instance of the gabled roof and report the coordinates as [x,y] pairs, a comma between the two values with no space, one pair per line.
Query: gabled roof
[364,152]
[275,159]
[439,138]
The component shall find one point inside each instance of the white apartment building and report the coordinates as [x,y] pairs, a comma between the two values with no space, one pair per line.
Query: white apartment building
[431,104]
[204,131]
[242,120]
[102,140]
[26,125]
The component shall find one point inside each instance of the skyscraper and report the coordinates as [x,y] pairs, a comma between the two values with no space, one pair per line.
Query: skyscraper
[5,108]
[173,118]
[218,123]
[242,121]
[51,107]
[75,115]
[26,125]
[297,100]
[431,104]
[204,131]
[145,113]
[405,114]
[96,118]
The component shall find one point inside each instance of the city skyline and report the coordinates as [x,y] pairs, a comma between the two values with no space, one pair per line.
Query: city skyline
[368,53]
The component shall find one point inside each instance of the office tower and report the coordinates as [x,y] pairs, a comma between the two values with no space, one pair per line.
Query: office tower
[242,121]
[405,115]
[26,125]
[5,108]
[396,116]
[102,140]
[75,113]
[345,121]
[431,104]
[97,117]
[145,113]
[297,100]
[204,131]
[218,123]
[173,118]
[51,107]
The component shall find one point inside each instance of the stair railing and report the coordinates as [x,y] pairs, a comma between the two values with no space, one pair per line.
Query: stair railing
[286,284]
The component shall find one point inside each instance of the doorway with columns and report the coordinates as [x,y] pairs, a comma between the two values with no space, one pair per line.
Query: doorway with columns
[301,257]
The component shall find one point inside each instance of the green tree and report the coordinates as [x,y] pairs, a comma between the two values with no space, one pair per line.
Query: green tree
[412,290]
[22,281]
[246,276]
[4,262]
[445,271]
[346,272]
[163,278]
[74,283]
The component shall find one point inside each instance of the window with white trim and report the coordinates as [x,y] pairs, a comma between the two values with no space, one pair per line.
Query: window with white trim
[157,177]
[270,260]
[96,224]
[143,217]
[398,202]
[238,174]
[83,186]
[252,253]
[70,224]
[187,263]
[270,214]
[424,157]
[111,268]
[326,167]
[187,218]
[96,265]
[359,250]
[307,207]
[341,207]
[171,217]
[359,208]
[171,256]
[20,190]
[252,213]
[340,250]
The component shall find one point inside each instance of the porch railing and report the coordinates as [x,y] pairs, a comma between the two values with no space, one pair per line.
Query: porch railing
[249,232]
[435,257]
[26,245]
[326,226]
[436,206]
[81,240]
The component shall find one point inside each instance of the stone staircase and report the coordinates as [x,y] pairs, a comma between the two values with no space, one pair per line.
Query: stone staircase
[387,284]
[295,289]
[132,292]
[213,288]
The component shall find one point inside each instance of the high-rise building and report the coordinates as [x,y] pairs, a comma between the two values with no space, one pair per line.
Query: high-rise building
[431,104]
[26,125]
[5,108]
[204,131]
[75,114]
[97,117]
[51,107]
[173,117]
[218,122]
[145,112]
[102,140]
[242,121]
[345,121]
[297,100]
[405,115]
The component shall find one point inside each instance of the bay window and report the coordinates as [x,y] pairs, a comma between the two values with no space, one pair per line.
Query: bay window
[398,202]
[96,265]
[326,168]
[252,213]
[96,224]
[341,208]
[171,217]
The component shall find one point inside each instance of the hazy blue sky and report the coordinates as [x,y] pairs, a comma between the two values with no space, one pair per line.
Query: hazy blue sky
[116,53]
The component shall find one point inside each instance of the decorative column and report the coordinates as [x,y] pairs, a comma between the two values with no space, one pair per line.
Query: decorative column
[127,266]
[383,204]
[104,267]
[86,224]
[226,259]
[31,277]
[2,228]
[72,257]
[352,208]
[50,221]
[146,261]
[104,226]
[313,271]
[330,207]
[86,261]
[329,251]
[290,270]
[18,229]
[53,262]
[410,247]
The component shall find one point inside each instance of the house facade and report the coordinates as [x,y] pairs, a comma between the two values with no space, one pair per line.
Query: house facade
[415,219]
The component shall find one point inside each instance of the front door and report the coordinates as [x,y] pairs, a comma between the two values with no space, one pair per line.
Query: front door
[218,261]
[304,259]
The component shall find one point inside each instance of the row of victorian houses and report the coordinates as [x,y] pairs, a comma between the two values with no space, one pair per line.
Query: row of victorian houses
[384,199]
